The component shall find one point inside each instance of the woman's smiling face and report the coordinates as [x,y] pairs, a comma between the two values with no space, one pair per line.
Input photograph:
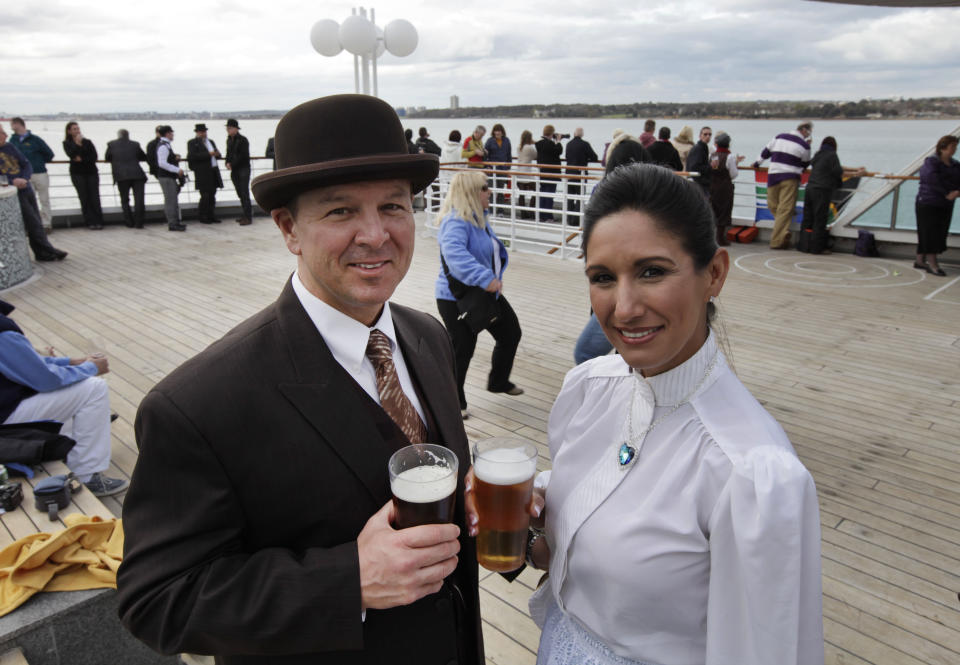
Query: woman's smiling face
[648,296]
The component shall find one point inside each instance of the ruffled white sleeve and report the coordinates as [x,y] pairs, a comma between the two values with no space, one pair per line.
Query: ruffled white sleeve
[765,603]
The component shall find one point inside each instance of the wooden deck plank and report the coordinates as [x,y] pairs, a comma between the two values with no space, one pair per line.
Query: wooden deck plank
[863,381]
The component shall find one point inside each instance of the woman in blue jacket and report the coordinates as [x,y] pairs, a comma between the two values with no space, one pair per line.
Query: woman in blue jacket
[474,256]
[499,150]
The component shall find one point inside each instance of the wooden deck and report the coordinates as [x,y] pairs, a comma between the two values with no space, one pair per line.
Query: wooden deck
[859,359]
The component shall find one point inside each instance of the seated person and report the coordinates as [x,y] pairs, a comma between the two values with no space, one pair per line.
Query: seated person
[36,387]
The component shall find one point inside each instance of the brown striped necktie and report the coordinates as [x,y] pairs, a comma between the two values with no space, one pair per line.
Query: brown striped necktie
[392,398]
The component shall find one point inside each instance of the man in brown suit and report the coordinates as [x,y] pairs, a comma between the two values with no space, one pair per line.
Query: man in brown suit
[258,521]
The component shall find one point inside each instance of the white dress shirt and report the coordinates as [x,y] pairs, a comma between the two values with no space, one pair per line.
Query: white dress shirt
[707,549]
[163,152]
[347,340]
[209,146]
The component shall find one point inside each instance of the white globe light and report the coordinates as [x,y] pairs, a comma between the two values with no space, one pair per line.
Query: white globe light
[400,37]
[380,45]
[324,35]
[358,35]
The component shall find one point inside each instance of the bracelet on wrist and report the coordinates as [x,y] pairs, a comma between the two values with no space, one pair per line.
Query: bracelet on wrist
[533,535]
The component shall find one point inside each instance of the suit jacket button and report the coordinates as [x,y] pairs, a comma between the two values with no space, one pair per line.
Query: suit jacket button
[443,606]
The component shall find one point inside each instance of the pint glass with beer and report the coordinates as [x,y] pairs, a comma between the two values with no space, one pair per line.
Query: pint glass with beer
[504,470]
[423,480]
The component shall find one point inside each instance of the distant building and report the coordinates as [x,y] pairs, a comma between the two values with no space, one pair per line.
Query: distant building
[454,101]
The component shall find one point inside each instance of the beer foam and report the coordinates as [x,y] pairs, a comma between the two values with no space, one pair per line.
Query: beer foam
[505,466]
[423,484]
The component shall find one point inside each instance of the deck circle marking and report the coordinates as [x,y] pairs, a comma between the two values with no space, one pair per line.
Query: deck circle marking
[802,265]
[838,280]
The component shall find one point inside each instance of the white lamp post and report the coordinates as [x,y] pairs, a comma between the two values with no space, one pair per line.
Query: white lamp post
[365,40]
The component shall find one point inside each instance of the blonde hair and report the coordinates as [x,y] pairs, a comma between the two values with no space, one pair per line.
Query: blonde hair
[685,135]
[463,197]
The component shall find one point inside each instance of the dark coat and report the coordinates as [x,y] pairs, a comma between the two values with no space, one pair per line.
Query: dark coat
[207,177]
[936,181]
[152,155]
[699,160]
[428,146]
[125,156]
[259,465]
[88,157]
[825,170]
[548,152]
[579,153]
[238,151]
[664,154]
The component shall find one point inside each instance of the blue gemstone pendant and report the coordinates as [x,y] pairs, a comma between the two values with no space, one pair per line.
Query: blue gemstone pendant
[626,455]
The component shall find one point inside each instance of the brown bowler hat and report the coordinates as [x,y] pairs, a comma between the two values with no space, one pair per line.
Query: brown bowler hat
[340,139]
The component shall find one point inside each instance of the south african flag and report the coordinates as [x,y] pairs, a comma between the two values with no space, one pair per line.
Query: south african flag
[763,212]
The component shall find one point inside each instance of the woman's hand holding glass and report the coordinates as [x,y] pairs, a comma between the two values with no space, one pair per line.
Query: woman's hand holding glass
[541,551]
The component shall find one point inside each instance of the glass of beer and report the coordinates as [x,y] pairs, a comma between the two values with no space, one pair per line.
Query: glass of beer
[504,470]
[423,480]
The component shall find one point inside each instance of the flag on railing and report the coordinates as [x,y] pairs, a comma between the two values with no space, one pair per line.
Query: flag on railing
[763,212]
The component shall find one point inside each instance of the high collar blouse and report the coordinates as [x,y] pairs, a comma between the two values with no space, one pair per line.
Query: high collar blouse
[706,550]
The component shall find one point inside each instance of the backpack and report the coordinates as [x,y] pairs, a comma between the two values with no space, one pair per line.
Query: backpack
[866,244]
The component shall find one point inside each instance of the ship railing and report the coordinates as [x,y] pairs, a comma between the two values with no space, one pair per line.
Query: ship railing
[523,227]
[63,197]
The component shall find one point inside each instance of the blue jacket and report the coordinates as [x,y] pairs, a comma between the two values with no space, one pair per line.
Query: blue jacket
[24,372]
[13,164]
[468,253]
[35,149]
[501,153]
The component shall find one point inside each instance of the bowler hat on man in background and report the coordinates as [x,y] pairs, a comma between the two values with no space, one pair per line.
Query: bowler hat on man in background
[200,127]
[336,140]
[233,123]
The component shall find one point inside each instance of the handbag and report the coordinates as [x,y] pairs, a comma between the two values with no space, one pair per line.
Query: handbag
[479,309]
[53,493]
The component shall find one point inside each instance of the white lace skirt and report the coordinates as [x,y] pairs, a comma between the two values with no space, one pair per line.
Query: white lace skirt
[565,642]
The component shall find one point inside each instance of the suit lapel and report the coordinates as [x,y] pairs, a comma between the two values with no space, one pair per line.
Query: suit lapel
[435,381]
[317,390]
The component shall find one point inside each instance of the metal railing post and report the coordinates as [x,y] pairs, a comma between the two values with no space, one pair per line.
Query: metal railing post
[895,206]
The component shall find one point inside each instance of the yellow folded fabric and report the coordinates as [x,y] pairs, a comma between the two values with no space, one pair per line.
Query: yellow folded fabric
[85,555]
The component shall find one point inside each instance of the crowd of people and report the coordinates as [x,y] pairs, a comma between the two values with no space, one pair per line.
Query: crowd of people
[540,163]
[125,157]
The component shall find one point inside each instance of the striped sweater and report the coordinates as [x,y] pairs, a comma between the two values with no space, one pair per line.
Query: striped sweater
[789,155]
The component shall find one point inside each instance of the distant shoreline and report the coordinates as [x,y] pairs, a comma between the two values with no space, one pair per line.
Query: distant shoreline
[931,108]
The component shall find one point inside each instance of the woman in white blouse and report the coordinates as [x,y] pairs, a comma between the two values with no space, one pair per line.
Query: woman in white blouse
[681,529]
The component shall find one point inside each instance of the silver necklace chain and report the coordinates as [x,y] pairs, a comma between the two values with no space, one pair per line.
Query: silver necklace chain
[627,451]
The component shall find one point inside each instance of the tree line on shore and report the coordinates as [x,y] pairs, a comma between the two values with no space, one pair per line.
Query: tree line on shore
[928,107]
[865,108]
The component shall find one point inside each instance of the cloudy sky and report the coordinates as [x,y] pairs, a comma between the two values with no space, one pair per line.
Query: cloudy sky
[175,55]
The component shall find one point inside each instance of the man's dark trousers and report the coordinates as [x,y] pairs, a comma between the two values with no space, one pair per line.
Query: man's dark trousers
[32,222]
[241,182]
[207,205]
[134,218]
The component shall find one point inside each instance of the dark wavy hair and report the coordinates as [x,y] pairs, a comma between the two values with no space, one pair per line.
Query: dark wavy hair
[676,205]
[66,130]
[945,142]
